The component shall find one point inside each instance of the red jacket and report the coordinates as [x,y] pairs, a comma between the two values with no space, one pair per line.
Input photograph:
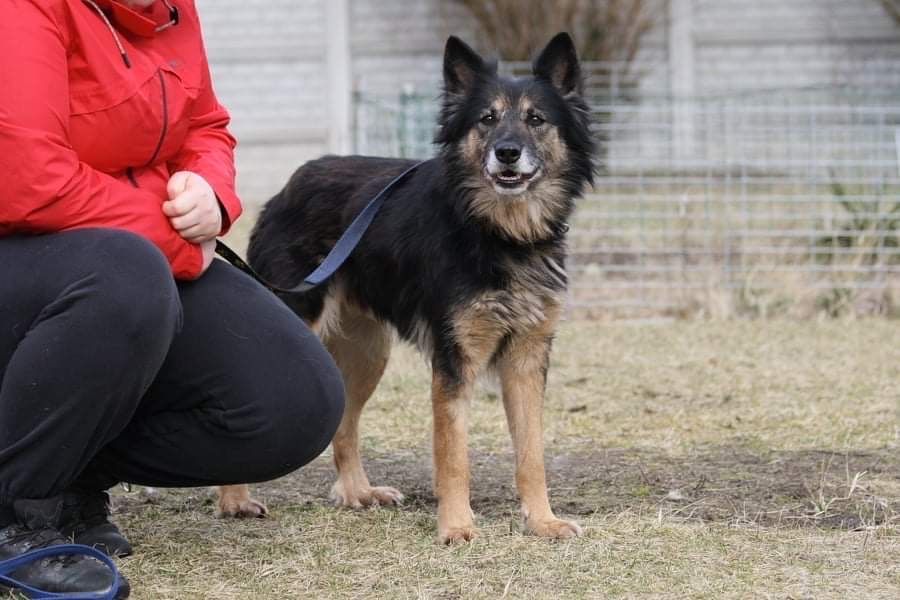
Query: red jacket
[87,140]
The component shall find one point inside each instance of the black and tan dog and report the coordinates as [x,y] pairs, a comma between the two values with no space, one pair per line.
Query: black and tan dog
[466,260]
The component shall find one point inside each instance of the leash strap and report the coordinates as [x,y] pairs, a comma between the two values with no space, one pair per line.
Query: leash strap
[12,564]
[338,254]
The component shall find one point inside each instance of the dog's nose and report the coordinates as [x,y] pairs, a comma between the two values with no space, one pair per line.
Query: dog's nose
[508,153]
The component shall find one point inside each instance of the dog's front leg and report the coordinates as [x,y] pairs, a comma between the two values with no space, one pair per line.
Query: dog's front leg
[523,374]
[450,404]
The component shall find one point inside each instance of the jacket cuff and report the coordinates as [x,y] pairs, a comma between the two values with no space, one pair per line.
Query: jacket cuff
[229,204]
[187,264]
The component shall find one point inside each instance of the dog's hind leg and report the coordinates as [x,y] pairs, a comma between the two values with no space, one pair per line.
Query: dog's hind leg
[235,501]
[523,375]
[360,346]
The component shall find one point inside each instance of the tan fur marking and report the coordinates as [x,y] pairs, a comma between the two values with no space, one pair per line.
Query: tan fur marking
[525,218]
[327,323]
[235,501]
[553,151]
[529,314]
[528,216]
[361,349]
[472,148]
[522,376]
[523,307]
[451,459]
[478,330]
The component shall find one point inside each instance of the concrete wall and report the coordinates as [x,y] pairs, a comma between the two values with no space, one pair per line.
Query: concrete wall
[269,68]
[280,65]
[753,44]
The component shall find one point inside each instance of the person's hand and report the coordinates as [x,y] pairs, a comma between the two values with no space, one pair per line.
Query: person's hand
[209,253]
[192,208]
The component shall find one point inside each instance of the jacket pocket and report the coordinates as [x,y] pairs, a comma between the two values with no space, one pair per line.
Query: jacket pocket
[137,123]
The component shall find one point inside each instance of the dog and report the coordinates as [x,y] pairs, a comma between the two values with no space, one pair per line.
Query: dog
[466,260]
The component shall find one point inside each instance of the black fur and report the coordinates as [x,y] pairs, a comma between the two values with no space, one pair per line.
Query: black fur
[425,255]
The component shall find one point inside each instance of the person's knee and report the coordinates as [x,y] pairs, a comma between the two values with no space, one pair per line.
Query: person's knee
[331,400]
[309,411]
[131,288]
[285,396]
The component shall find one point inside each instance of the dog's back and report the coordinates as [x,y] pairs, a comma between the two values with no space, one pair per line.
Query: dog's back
[301,223]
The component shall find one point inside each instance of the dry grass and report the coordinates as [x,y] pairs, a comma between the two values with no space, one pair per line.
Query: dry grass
[706,460]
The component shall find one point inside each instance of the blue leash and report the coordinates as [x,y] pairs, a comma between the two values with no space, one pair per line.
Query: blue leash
[12,564]
[338,254]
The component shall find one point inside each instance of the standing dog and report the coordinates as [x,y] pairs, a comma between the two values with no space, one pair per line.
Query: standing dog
[465,260]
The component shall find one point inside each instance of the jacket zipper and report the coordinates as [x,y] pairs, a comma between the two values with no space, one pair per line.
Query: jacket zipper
[165,116]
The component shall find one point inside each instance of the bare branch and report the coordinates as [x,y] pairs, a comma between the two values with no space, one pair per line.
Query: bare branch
[893,8]
[605,30]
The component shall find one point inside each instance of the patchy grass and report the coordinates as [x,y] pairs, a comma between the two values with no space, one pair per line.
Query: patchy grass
[705,459]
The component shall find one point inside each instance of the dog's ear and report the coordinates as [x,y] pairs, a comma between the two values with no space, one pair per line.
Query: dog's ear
[558,64]
[462,66]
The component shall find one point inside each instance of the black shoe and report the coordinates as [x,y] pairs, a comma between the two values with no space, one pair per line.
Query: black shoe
[36,527]
[85,519]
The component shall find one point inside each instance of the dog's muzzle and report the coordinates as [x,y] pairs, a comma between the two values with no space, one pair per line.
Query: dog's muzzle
[511,168]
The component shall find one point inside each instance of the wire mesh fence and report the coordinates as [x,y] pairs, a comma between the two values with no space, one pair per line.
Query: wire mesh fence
[763,203]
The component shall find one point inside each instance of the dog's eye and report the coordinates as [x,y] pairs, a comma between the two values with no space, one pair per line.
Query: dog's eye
[489,119]
[534,120]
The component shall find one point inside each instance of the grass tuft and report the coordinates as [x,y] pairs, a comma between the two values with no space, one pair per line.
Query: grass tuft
[704,460]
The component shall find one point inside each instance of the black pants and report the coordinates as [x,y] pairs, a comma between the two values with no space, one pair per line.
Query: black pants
[111,371]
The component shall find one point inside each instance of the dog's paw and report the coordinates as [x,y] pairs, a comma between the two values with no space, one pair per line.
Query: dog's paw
[241,508]
[457,535]
[365,497]
[554,528]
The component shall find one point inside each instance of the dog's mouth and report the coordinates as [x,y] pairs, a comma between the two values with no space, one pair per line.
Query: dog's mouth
[512,181]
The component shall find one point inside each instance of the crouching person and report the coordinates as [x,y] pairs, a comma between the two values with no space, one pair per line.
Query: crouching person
[126,352]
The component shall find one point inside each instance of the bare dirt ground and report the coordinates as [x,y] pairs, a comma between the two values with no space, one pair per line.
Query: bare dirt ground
[736,459]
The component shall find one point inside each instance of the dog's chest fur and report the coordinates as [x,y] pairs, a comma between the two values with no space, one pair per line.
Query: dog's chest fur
[532,293]
[535,285]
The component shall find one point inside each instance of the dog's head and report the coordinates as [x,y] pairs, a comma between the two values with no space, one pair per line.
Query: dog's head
[522,148]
